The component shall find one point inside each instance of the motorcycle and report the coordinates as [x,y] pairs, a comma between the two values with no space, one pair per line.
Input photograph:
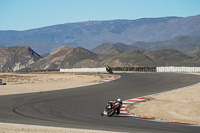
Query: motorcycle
[109,70]
[111,108]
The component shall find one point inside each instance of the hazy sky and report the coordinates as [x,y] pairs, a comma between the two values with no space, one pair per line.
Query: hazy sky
[29,14]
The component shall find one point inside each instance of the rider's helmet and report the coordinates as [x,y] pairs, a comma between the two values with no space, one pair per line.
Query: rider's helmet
[119,100]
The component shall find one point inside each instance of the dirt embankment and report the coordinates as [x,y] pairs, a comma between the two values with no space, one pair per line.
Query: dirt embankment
[182,105]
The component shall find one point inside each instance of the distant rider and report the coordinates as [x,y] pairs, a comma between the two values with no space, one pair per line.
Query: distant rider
[107,68]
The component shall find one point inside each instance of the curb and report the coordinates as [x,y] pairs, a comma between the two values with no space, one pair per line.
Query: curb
[126,103]
[111,79]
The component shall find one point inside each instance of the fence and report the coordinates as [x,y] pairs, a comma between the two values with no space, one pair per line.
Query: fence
[178,69]
[103,69]
[136,69]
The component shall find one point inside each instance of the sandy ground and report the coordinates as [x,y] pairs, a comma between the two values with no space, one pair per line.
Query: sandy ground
[181,105]
[21,128]
[36,82]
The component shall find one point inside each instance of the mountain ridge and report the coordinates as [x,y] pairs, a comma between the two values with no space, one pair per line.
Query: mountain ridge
[77,57]
[119,46]
[181,43]
[90,34]
[24,59]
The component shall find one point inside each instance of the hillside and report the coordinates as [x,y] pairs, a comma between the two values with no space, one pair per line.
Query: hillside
[112,52]
[126,59]
[15,58]
[194,52]
[181,43]
[103,48]
[63,57]
[24,59]
[167,57]
[92,33]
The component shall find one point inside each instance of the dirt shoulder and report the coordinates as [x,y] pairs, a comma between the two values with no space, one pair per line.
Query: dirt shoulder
[36,82]
[182,105]
[22,128]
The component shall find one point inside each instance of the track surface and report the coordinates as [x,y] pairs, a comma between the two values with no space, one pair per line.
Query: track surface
[81,107]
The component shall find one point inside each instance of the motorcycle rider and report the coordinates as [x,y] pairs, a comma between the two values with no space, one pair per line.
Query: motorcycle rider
[118,104]
[119,101]
[107,68]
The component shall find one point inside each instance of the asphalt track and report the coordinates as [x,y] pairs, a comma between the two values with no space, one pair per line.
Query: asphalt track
[80,107]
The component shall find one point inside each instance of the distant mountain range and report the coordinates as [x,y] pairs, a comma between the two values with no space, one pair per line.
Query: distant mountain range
[93,33]
[181,43]
[117,55]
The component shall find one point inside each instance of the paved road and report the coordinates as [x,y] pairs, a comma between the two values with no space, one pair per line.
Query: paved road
[81,107]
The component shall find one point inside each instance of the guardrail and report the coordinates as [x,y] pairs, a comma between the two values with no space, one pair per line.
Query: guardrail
[137,69]
[103,69]
[178,69]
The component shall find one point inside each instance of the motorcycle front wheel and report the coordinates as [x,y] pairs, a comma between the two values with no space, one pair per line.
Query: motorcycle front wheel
[111,112]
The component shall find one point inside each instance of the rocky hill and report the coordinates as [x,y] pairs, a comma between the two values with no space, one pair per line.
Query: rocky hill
[15,58]
[72,57]
[92,33]
[194,52]
[181,43]
[103,48]
[130,58]
[112,52]
[63,57]
[25,59]
[167,57]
